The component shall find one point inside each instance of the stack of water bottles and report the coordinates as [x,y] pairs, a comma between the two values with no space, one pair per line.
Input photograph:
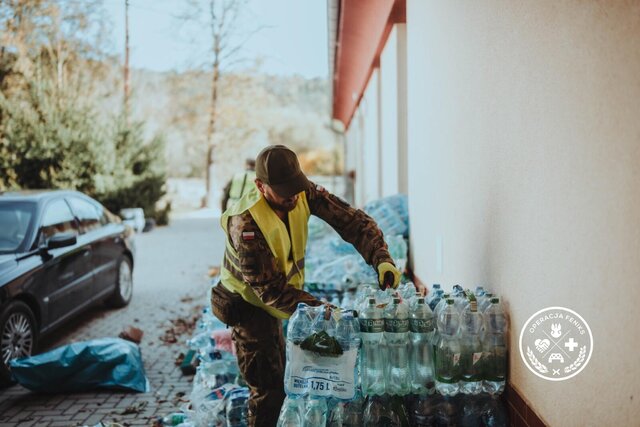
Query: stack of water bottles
[325,376]
[218,397]
[423,362]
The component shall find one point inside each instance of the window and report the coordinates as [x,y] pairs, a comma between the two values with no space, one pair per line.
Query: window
[14,225]
[57,219]
[87,213]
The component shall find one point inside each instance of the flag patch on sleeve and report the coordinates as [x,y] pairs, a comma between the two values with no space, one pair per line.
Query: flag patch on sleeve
[248,235]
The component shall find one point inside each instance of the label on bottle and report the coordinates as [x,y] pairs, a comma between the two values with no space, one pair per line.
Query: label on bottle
[323,376]
[456,359]
[396,325]
[421,325]
[477,357]
[371,325]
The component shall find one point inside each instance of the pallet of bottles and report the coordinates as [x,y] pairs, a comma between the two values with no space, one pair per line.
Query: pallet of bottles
[482,410]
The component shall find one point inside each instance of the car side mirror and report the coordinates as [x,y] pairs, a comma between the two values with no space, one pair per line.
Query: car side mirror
[61,240]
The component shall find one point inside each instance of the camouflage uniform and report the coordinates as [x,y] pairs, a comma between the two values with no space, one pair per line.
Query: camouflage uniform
[258,336]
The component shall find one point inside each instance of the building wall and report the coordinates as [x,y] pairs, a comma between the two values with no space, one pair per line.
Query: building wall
[368,175]
[524,173]
[393,100]
[389,115]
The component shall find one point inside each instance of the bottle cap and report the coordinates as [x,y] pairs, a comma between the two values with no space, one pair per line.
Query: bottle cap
[396,300]
[372,301]
[495,300]
[420,300]
[449,301]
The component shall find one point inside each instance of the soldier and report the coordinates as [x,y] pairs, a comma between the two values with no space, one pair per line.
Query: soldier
[263,269]
[240,184]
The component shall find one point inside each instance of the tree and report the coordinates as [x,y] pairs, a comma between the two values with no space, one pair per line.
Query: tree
[51,135]
[222,19]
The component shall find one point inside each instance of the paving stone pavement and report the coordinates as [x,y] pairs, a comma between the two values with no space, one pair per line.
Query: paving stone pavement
[170,282]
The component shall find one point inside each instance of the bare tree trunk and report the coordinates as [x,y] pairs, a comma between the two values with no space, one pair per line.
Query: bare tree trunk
[214,100]
[126,61]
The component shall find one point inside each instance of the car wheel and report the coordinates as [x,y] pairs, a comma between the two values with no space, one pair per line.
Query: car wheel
[124,284]
[18,336]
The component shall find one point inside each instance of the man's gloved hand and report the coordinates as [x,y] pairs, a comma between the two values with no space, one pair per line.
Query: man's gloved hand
[388,275]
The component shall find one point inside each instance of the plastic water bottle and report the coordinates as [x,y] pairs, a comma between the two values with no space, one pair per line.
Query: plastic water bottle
[423,411]
[421,325]
[347,332]
[371,331]
[435,299]
[471,357]
[347,302]
[173,419]
[413,300]
[396,331]
[322,323]
[315,413]
[471,414]
[447,358]
[352,413]
[441,305]
[457,290]
[432,293]
[290,415]
[237,408]
[336,415]
[378,413]
[494,346]
[299,324]
[494,413]
[362,297]
[484,302]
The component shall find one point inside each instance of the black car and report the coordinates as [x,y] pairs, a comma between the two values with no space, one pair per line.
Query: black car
[60,253]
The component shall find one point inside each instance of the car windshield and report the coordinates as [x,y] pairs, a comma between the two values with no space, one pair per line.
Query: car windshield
[15,218]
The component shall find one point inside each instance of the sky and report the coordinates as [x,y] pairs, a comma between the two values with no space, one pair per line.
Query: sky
[292,39]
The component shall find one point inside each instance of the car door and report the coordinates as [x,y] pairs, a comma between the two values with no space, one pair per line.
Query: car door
[104,242]
[68,271]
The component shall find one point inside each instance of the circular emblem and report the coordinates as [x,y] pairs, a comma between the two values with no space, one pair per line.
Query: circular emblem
[556,343]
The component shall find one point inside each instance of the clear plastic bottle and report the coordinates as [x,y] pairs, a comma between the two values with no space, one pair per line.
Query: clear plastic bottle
[435,299]
[336,414]
[378,413]
[494,346]
[362,297]
[421,326]
[396,334]
[298,328]
[173,419]
[315,413]
[484,302]
[447,358]
[290,415]
[236,411]
[373,351]
[471,357]
[352,414]
[348,332]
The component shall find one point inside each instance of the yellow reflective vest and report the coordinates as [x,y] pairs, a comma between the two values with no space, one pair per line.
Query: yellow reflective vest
[288,252]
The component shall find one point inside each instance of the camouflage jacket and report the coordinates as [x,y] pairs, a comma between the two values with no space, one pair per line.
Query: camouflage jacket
[258,264]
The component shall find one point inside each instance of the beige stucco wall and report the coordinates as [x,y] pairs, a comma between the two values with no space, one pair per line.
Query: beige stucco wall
[524,168]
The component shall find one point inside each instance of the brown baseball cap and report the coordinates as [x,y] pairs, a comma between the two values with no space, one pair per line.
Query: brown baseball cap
[278,166]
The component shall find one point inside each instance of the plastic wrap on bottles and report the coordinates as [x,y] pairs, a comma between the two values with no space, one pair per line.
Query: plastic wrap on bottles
[322,350]
[391,213]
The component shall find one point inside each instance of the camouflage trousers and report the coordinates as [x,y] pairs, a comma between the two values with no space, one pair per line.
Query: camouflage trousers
[261,358]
